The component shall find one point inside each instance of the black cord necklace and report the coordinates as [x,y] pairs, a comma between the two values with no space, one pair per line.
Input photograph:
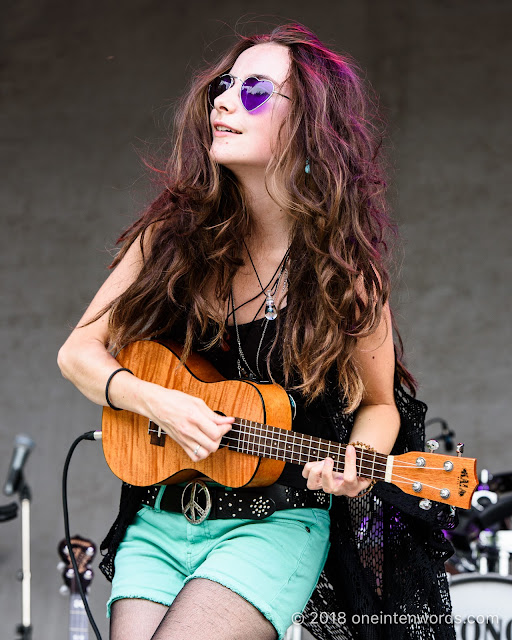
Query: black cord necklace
[280,274]
[269,293]
[244,369]
[258,294]
[231,303]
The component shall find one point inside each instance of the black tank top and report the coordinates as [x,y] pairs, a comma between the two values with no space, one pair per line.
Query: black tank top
[256,339]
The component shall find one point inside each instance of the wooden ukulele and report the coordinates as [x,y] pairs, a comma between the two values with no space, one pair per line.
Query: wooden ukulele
[84,551]
[253,453]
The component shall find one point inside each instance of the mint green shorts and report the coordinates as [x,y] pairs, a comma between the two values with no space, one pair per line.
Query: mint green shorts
[273,563]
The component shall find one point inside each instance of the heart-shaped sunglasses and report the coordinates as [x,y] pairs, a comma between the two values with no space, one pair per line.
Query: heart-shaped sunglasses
[253,91]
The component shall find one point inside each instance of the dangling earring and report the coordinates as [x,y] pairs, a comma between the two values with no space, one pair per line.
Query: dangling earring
[307,168]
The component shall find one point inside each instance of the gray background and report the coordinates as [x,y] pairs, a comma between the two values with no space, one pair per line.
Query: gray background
[86,84]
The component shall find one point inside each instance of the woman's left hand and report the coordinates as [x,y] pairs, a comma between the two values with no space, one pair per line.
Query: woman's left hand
[320,475]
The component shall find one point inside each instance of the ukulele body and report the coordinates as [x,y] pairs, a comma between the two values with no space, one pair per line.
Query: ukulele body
[254,451]
[136,453]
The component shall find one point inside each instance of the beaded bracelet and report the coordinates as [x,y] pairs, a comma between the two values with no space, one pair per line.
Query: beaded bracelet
[363,445]
[108,385]
[366,447]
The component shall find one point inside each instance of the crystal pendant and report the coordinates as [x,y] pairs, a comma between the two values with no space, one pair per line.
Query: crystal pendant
[270,307]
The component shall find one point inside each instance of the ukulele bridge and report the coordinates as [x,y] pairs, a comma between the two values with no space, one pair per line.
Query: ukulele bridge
[157,436]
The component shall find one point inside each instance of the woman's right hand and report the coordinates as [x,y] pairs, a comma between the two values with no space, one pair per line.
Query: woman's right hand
[187,420]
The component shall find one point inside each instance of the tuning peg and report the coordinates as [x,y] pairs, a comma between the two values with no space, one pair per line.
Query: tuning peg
[61,566]
[460,449]
[432,445]
[425,504]
[88,574]
[89,551]
[64,590]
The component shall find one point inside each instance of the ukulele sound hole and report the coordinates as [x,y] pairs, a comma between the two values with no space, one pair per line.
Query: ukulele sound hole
[158,440]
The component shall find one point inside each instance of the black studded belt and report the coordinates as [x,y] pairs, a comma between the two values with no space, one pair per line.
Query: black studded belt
[198,501]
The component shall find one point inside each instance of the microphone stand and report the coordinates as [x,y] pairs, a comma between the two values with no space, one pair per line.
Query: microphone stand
[24,630]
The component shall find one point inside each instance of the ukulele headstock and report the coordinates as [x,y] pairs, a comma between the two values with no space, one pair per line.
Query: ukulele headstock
[84,551]
[436,477]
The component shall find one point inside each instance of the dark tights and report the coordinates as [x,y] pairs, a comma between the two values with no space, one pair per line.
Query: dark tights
[203,610]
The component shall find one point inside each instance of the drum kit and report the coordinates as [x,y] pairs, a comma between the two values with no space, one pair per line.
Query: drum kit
[480,570]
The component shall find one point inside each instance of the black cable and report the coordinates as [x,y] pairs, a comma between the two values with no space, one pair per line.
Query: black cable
[8,512]
[446,434]
[90,435]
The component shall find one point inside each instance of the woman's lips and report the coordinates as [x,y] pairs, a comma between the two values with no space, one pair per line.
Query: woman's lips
[220,127]
[220,134]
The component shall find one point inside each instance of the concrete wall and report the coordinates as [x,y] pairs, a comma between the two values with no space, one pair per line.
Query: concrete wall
[85,84]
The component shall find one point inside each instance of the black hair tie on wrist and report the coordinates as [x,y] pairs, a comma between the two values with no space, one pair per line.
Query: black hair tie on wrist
[108,385]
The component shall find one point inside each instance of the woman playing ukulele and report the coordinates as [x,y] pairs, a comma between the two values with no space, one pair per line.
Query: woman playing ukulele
[265,252]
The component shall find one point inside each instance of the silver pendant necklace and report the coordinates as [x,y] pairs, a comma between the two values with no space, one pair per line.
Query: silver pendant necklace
[245,371]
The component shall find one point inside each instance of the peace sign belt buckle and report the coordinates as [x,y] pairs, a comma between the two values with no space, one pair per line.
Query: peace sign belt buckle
[196,502]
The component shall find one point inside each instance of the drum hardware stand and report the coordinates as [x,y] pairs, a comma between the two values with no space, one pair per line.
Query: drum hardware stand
[294,632]
[500,542]
[9,512]
[25,628]
[483,496]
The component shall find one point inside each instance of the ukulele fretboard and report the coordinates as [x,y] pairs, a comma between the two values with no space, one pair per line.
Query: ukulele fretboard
[266,441]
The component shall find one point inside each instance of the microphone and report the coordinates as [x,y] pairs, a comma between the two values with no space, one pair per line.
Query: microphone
[23,445]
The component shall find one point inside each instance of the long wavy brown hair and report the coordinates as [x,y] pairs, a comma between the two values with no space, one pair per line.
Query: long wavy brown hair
[339,251]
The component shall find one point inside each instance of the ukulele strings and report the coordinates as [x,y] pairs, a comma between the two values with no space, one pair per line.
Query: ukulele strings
[322,448]
[267,433]
[378,463]
[305,443]
[279,436]
[403,480]
[289,456]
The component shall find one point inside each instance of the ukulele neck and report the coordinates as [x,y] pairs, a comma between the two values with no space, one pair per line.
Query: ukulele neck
[266,441]
[78,623]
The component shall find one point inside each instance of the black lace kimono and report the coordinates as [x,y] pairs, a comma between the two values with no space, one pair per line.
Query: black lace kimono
[384,578]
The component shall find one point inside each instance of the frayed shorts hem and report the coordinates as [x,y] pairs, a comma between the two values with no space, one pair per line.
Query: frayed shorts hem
[137,596]
[266,611]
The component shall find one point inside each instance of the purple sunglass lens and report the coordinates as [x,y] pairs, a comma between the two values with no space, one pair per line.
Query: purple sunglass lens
[255,92]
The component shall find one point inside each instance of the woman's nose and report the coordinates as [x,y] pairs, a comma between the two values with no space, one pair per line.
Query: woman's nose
[227,101]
